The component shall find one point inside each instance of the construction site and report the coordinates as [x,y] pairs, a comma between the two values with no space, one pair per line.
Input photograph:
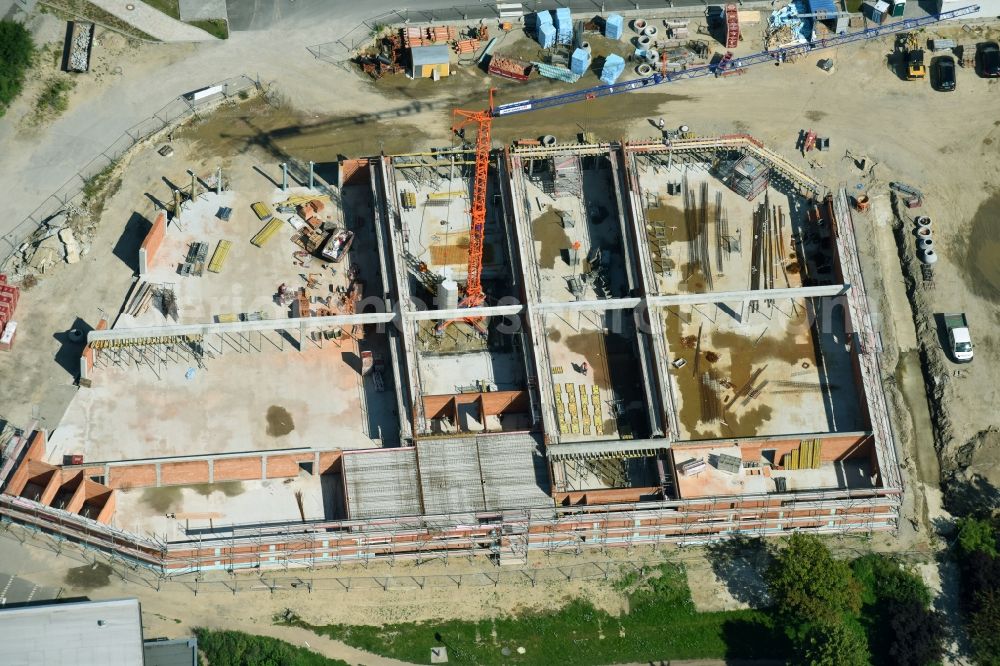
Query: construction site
[485,348]
[534,348]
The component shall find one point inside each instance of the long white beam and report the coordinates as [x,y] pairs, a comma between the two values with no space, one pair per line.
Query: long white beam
[333,321]
[749,295]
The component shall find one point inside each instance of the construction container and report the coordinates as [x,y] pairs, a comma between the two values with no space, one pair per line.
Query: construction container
[430,62]
[8,335]
[580,61]
[614,65]
[614,26]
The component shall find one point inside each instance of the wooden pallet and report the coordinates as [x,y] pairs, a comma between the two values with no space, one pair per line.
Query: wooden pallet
[219,256]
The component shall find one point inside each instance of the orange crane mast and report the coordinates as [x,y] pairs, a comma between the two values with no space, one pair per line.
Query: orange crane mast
[474,295]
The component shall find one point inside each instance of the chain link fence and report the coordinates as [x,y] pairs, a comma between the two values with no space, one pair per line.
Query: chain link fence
[48,217]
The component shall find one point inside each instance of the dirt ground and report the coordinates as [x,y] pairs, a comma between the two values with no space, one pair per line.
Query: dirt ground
[948,145]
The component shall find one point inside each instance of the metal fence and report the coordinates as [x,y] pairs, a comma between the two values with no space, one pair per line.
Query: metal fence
[47,217]
[340,50]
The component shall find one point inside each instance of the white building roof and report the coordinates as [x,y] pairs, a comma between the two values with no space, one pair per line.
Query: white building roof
[87,633]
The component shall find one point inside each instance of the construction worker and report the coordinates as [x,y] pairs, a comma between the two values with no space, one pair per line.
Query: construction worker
[584,367]
[661,124]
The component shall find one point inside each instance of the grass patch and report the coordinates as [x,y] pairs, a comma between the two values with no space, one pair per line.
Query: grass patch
[216,27]
[97,189]
[171,8]
[54,98]
[662,623]
[234,648]
[16,52]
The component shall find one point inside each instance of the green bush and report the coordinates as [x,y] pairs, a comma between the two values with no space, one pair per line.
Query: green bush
[234,648]
[836,644]
[16,51]
[977,535]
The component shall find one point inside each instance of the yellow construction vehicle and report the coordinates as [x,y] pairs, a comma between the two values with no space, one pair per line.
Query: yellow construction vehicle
[913,56]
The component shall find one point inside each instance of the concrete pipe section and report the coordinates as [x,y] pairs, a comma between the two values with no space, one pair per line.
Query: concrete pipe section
[644,70]
[928,256]
[639,25]
[548,140]
[926,244]
[650,31]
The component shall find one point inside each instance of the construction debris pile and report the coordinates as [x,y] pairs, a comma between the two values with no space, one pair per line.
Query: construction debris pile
[786,26]
[81,37]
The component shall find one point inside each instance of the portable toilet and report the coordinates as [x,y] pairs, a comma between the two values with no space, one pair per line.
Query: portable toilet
[547,35]
[580,61]
[898,7]
[614,26]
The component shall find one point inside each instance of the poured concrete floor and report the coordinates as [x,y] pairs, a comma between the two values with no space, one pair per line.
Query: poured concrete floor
[178,512]
[130,413]
[681,271]
[805,385]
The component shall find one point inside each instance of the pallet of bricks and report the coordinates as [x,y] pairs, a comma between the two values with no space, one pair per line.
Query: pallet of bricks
[9,296]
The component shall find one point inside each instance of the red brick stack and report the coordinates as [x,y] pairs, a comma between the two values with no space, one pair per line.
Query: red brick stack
[9,296]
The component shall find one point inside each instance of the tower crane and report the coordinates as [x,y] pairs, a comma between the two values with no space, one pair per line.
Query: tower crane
[474,295]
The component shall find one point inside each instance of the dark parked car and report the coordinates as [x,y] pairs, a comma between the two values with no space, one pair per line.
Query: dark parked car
[945,66]
[989,59]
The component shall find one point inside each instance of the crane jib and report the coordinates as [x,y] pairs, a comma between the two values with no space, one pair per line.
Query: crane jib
[736,63]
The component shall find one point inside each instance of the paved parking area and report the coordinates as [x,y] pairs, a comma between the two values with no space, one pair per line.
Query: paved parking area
[14,590]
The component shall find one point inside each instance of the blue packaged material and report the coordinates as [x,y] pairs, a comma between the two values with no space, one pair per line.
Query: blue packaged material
[580,61]
[614,65]
[543,18]
[564,25]
[547,36]
[614,26]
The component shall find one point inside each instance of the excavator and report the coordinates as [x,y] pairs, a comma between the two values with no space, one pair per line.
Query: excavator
[913,56]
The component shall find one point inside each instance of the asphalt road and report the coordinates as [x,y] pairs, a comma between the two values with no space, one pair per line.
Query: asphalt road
[17,591]
[269,14]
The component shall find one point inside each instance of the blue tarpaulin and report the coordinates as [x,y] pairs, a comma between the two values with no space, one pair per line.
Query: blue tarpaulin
[614,65]
[547,36]
[580,62]
[614,26]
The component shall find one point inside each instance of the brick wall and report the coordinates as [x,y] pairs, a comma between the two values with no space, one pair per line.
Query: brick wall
[284,466]
[354,172]
[151,244]
[183,473]
[35,450]
[132,476]
[237,469]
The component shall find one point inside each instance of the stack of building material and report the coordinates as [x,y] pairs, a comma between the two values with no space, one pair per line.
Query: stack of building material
[564,26]
[614,26]
[809,455]
[553,72]
[9,296]
[427,36]
[466,46]
[580,61]
[614,65]
[510,68]
[545,31]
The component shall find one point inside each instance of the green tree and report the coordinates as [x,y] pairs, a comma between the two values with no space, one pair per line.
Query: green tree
[16,51]
[808,585]
[977,535]
[833,644]
[984,628]
[917,635]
